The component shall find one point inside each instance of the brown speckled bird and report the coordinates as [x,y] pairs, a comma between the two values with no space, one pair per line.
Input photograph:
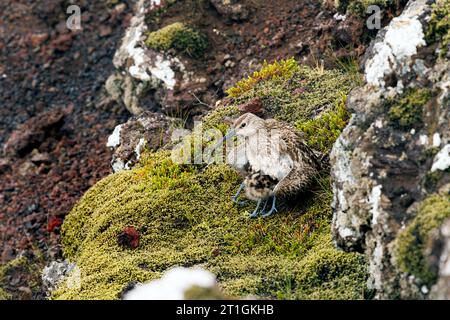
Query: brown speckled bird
[275,152]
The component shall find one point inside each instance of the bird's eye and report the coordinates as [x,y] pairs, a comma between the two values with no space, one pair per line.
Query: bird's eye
[243,125]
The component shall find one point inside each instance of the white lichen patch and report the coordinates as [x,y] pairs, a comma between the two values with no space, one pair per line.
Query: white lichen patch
[162,69]
[423,139]
[145,65]
[114,138]
[346,233]
[139,147]
[403,36]
[118,165]
[173,285]
[375,267]
[155,3]
[436,140]
[339,17]
[374,201]
[442,160]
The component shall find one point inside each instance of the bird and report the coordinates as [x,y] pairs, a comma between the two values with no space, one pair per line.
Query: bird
[275,152]
[259,187]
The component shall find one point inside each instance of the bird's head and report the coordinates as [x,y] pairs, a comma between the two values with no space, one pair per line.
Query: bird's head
[247,125]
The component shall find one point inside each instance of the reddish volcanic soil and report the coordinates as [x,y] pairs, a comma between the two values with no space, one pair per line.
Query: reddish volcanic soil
[54,118]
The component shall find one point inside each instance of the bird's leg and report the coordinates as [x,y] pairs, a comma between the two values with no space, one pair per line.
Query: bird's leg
[255,213]
[265,204]
[272,210]
[234,198]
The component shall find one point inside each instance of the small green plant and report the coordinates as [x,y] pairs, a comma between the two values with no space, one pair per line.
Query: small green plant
[359,7]
[179,37]
[439,25]
[408,111]
[322,132]
[278,69]
[411,243]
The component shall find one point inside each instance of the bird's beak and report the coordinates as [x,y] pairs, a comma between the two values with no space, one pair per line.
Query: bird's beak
[229,135]
[228,120]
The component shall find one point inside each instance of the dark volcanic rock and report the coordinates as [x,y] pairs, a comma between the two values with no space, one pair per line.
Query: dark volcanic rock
[33,132]
[231,9]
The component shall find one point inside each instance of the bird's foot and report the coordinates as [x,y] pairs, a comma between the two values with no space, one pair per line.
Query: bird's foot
[235,197]
[269,213]
[256,212]
[272,210]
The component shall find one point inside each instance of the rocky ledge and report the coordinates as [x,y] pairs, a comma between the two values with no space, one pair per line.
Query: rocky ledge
[390,166]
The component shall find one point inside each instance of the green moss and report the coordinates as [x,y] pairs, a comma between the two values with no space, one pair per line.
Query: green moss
[322,131]
[411,243]
[4,295]
[299,94]
[185,217]
[407,112]
[359,7]
[439,26]
[179,37]
[277,70]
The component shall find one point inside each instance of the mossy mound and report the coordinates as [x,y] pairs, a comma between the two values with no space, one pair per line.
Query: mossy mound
[412,242]
[185,217]
[179,37]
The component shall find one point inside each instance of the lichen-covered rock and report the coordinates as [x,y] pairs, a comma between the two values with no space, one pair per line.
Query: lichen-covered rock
[183,214]
[391,158]
[55,272]
[20,279]
[153,75]
[149,130]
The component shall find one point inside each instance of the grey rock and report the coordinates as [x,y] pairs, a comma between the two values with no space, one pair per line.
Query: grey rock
[146,78]
[54,273]
[379,170]
[231,9]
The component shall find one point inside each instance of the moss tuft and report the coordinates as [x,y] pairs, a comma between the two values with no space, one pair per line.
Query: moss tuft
[411,243]
[185,217]
[179,37]
[408,111]
[4,295]
[323,131]
[276,70]
[300,94]
[359,7]
[439,26]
